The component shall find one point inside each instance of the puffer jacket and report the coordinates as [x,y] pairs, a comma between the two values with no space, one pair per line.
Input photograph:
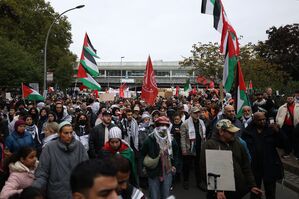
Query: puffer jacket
[15,141]
[20,177]
[57,160]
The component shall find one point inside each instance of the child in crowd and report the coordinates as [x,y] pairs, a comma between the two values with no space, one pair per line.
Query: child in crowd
[21,167]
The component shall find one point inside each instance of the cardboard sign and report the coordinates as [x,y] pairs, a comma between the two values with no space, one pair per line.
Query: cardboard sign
[105,97]
[219,164]
[168,94]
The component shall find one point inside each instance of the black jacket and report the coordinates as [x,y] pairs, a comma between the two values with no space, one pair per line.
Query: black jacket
[272,168]
[97,139]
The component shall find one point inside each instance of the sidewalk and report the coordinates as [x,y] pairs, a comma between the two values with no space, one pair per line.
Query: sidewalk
[291,171]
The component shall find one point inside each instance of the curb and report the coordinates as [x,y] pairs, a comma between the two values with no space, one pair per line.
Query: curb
[291,185]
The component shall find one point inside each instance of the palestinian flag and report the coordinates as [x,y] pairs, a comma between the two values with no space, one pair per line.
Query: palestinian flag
[87,79]
[242,99]
[187,86]
[89,47]
[89,63]
[31,94]
[230,63]
[215,8]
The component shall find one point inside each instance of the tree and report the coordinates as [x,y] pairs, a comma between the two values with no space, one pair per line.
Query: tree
[27,24]
[206,60]
[263,74]
[17,64]
[282,48]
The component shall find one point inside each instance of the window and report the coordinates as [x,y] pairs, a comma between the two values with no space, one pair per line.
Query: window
[162,73]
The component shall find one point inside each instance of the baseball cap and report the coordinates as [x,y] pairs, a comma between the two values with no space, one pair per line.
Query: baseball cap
[227,125]
[106,113]
[195,109]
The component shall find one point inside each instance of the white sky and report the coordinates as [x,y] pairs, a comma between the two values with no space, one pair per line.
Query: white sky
[166,29]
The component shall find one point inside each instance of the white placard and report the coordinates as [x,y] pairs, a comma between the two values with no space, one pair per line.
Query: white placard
[220,162]
[8,96]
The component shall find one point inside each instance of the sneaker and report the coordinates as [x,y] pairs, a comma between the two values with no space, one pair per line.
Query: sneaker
[186,185]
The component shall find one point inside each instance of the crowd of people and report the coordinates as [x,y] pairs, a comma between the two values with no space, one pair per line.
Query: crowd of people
[78,147]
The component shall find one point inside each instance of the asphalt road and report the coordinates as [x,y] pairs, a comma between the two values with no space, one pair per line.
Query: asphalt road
[194,193]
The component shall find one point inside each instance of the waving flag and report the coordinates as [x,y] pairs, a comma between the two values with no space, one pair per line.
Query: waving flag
[149,90]
[87,79]
[89,63]
[89,47]
[242,99]
[31,94]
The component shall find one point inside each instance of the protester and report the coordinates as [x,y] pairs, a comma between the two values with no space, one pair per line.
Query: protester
[224,139]
[19,138]
[21,167]
[159,154]
[51,133]
[61,113]
[57,160]
[193,134]
[125,189]
[262,140]
[99,135]
[82,129]
[94,179]
[287,118]
[130,129]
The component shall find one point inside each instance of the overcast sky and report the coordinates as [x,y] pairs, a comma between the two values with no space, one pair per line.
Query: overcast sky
[166,29]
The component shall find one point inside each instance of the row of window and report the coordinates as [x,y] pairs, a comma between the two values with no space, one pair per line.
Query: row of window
[140,73]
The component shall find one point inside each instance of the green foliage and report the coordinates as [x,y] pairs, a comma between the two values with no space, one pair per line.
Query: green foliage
[26,24]
[17,64]
[205,60]
[260,72]
[282,48]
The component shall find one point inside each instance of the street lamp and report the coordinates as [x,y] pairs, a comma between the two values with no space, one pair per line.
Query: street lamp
[121,68]
[46,44]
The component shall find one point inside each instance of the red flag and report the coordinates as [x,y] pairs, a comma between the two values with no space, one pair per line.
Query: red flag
[122,90]
[95,93]
[177,90]
[149,90]
[250,85]
[211,85]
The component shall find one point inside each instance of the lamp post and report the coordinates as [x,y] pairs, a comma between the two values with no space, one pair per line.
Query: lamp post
[121,68]
[46,44]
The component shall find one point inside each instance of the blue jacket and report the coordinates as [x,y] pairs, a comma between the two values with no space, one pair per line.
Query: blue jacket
[15,141]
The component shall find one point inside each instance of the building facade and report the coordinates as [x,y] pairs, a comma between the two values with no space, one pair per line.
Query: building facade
[168,73]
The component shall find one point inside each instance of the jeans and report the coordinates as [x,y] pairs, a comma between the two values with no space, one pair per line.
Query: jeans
[160,189]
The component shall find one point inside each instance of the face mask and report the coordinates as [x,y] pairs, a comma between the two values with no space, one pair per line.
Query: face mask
[162,131]
[82,122]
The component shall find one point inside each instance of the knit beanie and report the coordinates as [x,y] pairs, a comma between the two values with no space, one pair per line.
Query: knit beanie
[115,132]
[19,123]
[62,124]
[145,115]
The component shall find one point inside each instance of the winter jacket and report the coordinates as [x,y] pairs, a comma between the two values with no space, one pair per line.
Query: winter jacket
[20,177]
[97,139]
[15,141]
[283,111]
[272,168]
[57,161]
[244,179]
[152,149]
[185,141]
